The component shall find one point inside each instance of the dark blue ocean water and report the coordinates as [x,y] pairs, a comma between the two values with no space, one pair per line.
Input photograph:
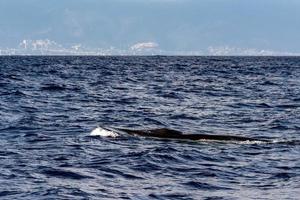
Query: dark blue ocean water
[49,106]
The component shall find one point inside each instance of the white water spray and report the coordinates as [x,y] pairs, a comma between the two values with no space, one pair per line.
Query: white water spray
[103,133]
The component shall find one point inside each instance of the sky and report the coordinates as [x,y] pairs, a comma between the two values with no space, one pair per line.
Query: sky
[206,27]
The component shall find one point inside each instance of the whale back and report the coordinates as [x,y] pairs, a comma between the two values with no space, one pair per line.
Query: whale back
[166,133]
[161,132]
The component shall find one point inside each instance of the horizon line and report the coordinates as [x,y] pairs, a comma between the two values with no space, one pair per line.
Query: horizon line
[138,55]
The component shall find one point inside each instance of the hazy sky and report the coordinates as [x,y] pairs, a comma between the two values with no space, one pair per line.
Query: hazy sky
[174,25]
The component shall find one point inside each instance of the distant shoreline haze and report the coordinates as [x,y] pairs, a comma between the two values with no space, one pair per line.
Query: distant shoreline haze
[48,47]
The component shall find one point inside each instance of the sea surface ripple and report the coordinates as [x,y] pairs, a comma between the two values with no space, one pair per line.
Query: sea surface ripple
[49,106]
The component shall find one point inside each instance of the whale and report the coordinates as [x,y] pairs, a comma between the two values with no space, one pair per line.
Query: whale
[165,133]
